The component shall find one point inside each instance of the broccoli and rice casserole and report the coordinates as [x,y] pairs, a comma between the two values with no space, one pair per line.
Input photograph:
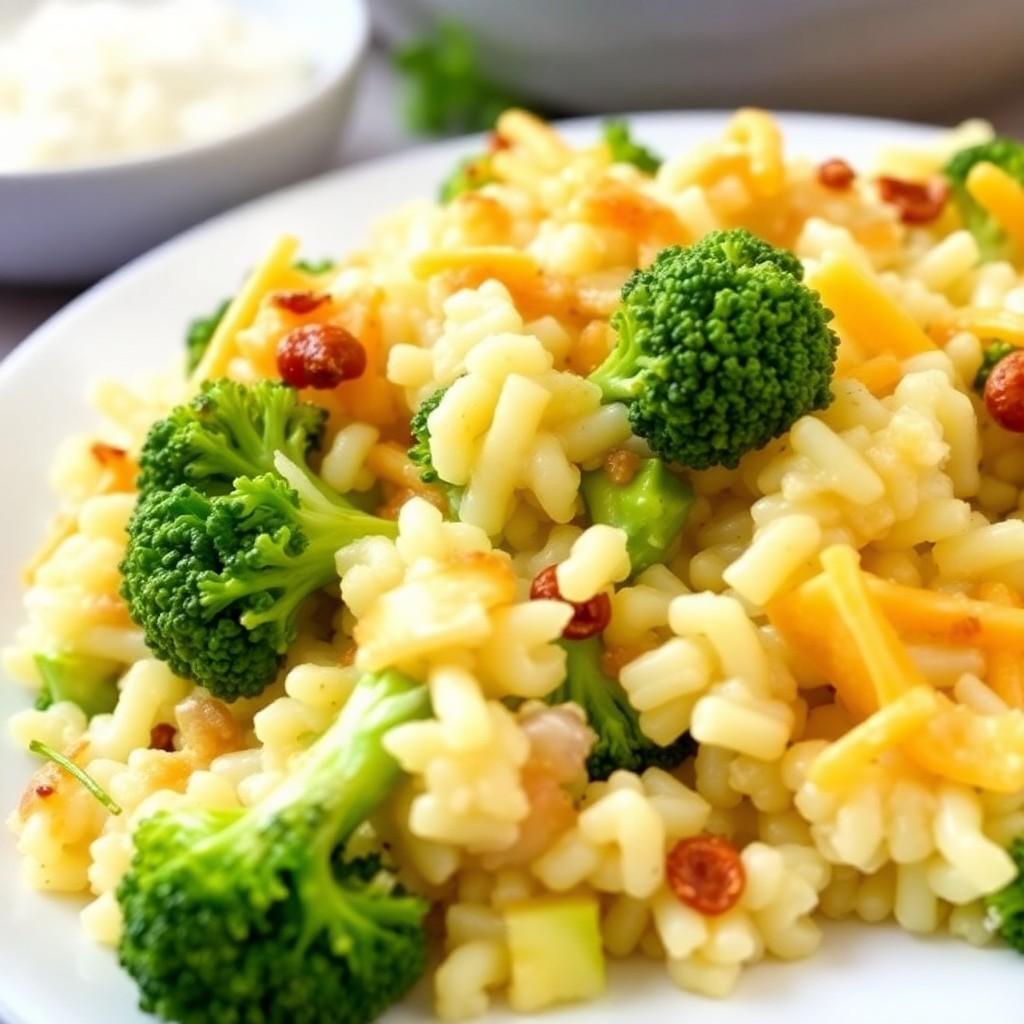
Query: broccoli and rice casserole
[622,556]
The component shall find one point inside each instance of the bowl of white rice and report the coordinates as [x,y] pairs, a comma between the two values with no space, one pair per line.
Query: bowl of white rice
[122,123]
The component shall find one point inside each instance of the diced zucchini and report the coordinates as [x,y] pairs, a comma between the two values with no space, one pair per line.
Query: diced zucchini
[555,948]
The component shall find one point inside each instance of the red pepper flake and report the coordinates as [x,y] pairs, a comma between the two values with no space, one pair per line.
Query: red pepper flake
[917,202]
[319,356]
[1004,392]
[107,454]
[161,737]
[588,617]
[496,142]
[836,173]
[299,303]
[706,873]
[43,790]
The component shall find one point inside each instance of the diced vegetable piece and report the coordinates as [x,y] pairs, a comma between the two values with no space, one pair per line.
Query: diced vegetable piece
[91,683]
[555,949]
[651,508]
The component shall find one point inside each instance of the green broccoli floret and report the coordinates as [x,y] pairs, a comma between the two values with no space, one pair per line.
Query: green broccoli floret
[651,508]
[620,742]
[721,347]
[624,150]
[216,582]
[469,174]
[89,682]
[446,90]
[1006,154]
[228,430]
[1006,907]
[993,354]
[199,332]
[255,916]
[419,450]
[315,267]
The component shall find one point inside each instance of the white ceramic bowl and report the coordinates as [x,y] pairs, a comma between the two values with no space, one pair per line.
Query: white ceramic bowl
[935,59]
[78,223]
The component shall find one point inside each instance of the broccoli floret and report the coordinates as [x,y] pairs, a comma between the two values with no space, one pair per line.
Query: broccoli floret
[228,430]
[993,354]
[651,508]
[1006,907]
[1006,154]
[255,916]
[446,90]
[624,150]
[721,347]
[620,742]
[89,682]
[419,450]
[315,267]
[470,174]
[216,582]
[199,332]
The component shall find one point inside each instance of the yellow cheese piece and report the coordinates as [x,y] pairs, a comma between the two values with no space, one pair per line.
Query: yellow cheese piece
[1002,197]
[888,664]
[991,323]
[842,763]
[836,621]
[880,374]
[959,744]
[930,616]
[1004,667]
[244,306]
[758,132]
[501,261]
[865,314]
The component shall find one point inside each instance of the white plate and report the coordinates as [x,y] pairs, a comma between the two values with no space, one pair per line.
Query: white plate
[49,973]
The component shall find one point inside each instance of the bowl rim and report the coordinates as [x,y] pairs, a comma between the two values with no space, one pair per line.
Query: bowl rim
[349,57]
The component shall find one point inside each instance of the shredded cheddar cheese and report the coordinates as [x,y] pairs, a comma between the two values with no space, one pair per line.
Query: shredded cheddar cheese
[865,314]
[759,134]
[265,277]
[879,374]
[991,323]
[844,760]
[1005,666]
[500,261]
[991,187]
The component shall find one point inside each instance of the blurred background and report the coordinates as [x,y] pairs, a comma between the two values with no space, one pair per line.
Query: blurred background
[124,121]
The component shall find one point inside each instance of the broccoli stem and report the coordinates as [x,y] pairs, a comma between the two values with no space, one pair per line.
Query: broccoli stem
[347,773]
[257,915]
[89,682]
[620,376]
[602,698]
[620,741]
